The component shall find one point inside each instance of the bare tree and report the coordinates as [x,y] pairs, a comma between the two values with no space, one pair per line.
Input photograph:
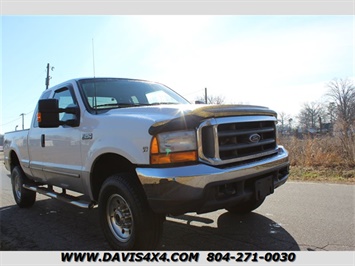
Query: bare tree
[285,121]
[342,93]
[331,112]
[311,115]
[212,99]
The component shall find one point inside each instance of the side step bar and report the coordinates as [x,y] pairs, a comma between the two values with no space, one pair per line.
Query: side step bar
[76,201]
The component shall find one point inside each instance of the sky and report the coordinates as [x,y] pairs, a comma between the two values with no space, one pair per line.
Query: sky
[278,61]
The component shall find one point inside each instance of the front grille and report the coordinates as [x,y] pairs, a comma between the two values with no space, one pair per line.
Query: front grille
[227,141]
[235,140]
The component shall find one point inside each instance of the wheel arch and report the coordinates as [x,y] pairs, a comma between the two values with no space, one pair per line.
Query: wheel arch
[105,166]
[13,160]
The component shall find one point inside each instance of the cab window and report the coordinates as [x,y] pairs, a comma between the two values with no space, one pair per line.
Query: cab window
[65,99]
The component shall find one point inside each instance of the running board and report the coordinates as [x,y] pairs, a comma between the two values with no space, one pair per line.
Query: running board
[76,201]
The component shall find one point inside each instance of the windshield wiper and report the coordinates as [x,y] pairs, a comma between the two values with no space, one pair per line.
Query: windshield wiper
[160,103]
[124,105]
[117,105]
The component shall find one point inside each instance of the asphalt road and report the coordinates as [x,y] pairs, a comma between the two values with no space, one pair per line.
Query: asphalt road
[298,216]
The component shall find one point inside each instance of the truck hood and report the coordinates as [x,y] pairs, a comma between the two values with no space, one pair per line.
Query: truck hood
[187,116]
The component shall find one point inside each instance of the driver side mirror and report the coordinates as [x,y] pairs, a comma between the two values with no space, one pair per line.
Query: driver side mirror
[48,113]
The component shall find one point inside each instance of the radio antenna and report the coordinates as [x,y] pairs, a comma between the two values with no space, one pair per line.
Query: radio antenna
[93,56]
[93,66]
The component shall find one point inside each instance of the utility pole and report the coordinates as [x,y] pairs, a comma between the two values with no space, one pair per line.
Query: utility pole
[48,77]
[205,95]
[23,121]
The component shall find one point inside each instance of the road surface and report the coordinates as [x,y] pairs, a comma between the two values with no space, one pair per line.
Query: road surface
[298,216]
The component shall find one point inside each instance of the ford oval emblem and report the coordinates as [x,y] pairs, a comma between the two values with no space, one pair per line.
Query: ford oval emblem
[254,138]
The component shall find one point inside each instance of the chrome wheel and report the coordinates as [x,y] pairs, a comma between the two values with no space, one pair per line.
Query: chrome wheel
[23,197]
[119,217]
[127,221]
[17,187]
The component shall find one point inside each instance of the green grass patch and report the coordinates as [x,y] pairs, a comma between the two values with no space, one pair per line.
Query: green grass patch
[322,174]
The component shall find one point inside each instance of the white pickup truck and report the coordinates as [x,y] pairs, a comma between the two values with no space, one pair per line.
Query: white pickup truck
[140,151]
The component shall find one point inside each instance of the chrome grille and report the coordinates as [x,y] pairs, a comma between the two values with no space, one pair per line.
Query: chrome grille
[238,139]
[235,140]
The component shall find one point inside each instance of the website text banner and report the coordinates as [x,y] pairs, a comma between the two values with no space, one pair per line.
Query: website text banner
[53,258]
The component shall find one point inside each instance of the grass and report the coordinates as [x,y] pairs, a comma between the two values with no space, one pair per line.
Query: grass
[319,160]
[322,174]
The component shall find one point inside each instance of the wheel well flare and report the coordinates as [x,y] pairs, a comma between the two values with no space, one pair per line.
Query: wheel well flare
[105,166]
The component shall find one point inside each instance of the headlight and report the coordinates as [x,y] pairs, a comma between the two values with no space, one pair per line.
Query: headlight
[173,147]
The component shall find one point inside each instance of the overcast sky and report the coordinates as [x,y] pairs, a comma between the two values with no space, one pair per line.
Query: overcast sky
[276,61]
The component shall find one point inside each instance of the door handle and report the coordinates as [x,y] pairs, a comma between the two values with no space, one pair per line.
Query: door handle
[43,140]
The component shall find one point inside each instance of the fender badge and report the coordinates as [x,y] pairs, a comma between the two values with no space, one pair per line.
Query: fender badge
[87,136]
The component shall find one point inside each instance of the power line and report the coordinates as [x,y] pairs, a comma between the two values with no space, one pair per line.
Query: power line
[10,122]
[4,124]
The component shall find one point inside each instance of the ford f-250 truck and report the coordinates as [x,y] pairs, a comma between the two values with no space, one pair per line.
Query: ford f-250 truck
[140,151]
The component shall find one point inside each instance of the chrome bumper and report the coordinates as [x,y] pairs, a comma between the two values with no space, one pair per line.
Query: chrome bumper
[191,188]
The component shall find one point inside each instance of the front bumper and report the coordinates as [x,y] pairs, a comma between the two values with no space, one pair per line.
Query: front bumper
[203,188]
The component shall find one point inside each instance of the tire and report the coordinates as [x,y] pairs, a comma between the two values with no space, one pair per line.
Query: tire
[245,207]
[24,198]
[127,221]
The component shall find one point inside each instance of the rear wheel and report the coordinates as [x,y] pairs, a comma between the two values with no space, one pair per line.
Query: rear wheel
[24,198]
[127,221]
[245,207]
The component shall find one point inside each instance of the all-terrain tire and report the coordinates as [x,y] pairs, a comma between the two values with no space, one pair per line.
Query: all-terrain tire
[24,198]
[127,220]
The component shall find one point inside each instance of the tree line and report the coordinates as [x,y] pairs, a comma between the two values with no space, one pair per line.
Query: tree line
[333,116]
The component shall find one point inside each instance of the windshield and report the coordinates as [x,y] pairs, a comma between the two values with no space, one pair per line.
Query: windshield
[106,93]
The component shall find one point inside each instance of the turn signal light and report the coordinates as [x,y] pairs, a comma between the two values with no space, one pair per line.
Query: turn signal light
[167,156]
[178,157]
[39,117]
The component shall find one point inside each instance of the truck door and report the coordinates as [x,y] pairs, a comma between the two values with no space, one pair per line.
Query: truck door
[61,152]
[35,148]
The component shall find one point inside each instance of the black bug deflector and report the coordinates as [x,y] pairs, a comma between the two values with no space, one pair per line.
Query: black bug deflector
[191,119]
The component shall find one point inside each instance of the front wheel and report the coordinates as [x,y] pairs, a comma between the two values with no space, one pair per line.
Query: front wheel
[127,221]
[245,207]
[24,198]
